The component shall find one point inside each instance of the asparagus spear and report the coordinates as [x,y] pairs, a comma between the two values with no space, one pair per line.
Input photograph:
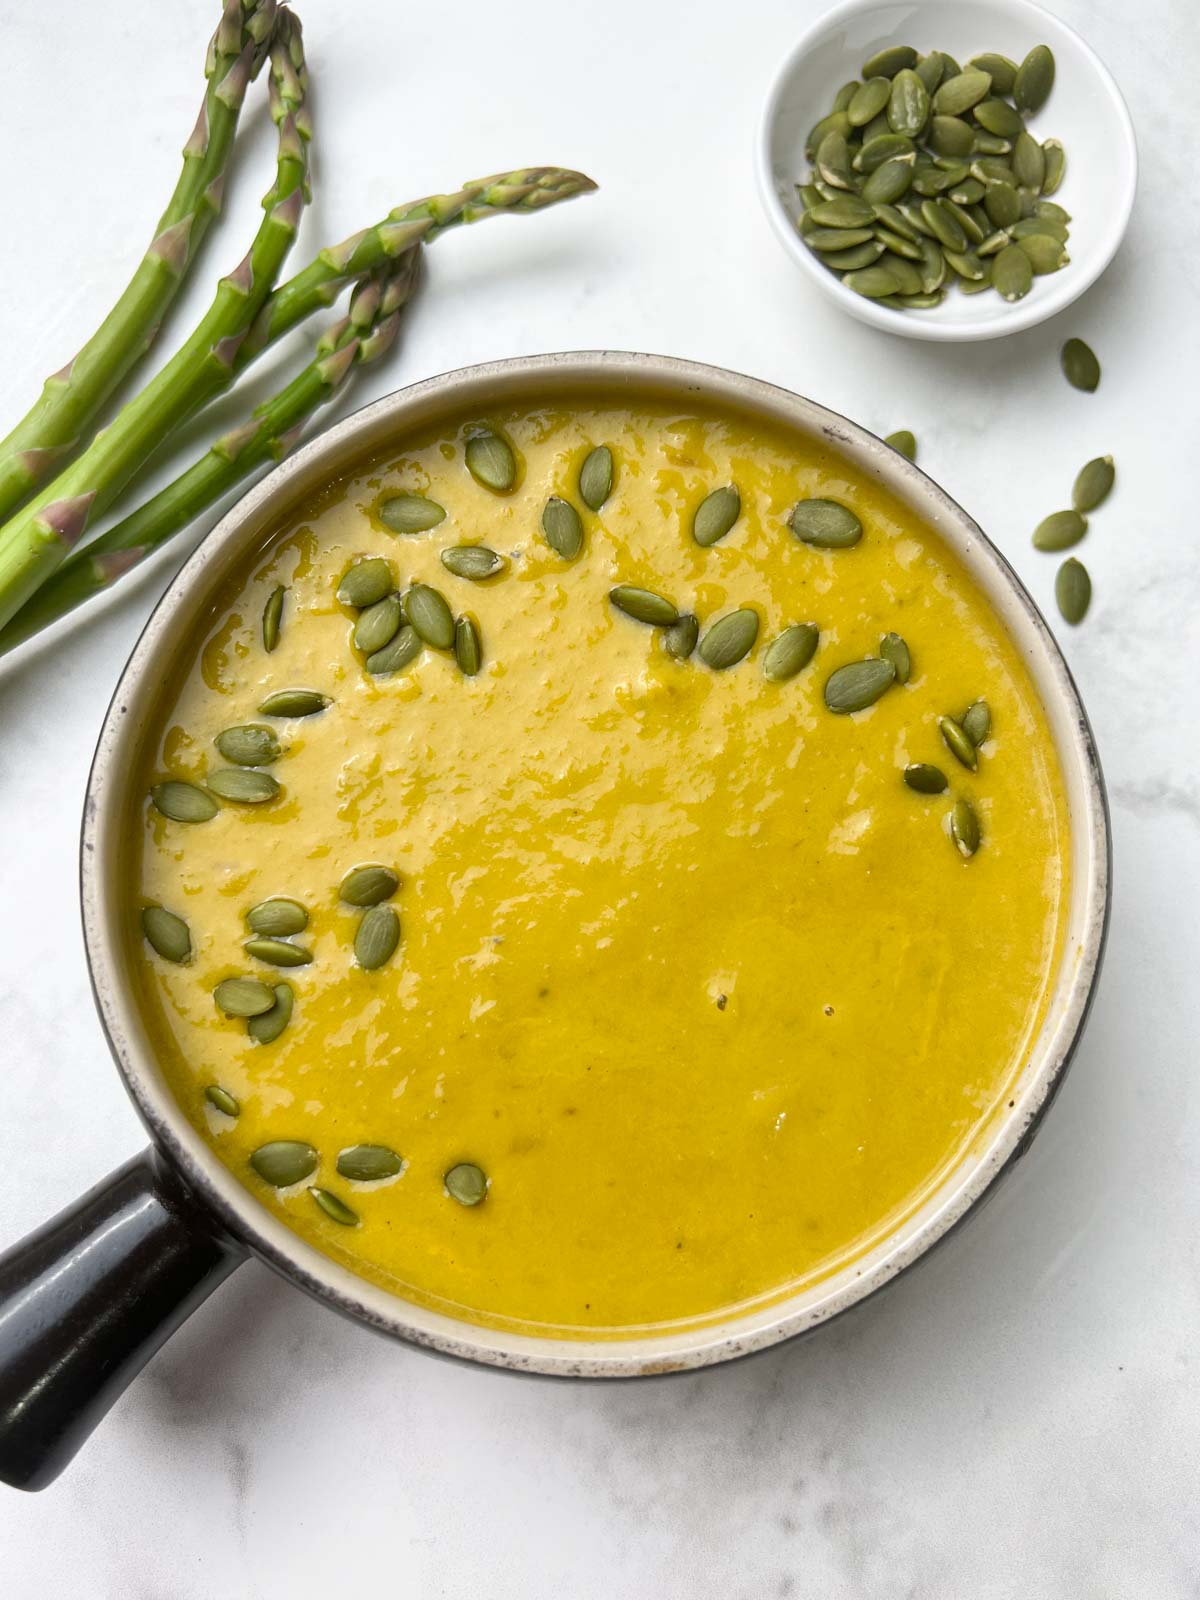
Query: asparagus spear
[35,541]
[272,430]
[72,398]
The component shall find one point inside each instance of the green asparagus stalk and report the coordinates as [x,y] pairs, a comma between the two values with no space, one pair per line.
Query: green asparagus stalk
[273,429]
[72,398]
[37,540]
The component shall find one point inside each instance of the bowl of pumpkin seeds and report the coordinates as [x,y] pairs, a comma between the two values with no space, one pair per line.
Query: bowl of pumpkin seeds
[959,169]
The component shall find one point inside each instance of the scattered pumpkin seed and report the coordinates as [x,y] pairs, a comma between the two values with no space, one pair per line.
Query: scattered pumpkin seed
[964,827]
[278,952]
[429,616]
[1034,79]
[716,514]
[369,885]
[490,460]
[284,1162]
[277,918]
[679,640]
[294,703]
[791,652]
[925,778]
[336,1210]
[904,442]
[1059,531]
[1080,367]
[244,786]
[221,1100]
[243,997]
[643,605]
[893,648]
[366,582]
[730,640]
[562,527]
[183,802]
[466,1183]
[377,937]
[251,744]
[368,1163]
[166,934]
[596,477]
[272,617]
[473,561]
[268,1025]
[1093,484]
[976,722]
[412,513]
[468,646]
[405,647]
[828,524]
[378,624]
[1073,590]
[958,744]
[858,685]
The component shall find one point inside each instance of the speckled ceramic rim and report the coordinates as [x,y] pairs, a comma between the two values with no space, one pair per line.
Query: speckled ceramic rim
[540,380]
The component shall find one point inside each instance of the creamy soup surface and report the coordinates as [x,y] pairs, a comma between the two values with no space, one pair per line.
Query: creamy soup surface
[703,989]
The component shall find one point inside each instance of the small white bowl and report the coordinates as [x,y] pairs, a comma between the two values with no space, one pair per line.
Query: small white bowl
[1086,111]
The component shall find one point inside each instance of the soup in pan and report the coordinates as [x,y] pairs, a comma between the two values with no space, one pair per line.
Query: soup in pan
[600,867]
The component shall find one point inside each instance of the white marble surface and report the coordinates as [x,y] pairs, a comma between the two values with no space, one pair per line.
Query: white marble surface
[1019,1417]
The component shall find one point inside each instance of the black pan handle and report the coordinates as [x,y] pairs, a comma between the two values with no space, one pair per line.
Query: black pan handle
[87,1299]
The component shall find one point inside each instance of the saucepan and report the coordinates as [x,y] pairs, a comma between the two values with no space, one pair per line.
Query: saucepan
[87,1299]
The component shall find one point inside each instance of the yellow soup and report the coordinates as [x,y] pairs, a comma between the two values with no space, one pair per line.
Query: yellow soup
[704,990]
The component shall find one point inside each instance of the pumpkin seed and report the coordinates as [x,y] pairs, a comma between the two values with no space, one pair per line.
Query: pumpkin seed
[976,722]
[842,99]
[468,646]
[1028,161]
[847,211]
[716,515]
[1093,484]
[643,605]
[1059,531]
[679,640]
[378,624]
[731,639]
[596,477]
[895,221]
[1056,165]
[1045,254]
[933,266]
[244,786]
[825,523]
[377,937]
[858,685]
[904,442]
[924,778]
[473,561]
[967,196]
[990,170]
[221,1100]
[836,241]
[490,460]
[277,918]
[889,182]
[1073,590]
[166,934]
[833,160]
[868,101]
[1012,273]
[964,827]
[908,104]
[369,885]
[893,648]
[962,215]
[875,129]
[907,277]
[248,745]
[429,616]
[929,70]
[268,1025]
[836,121]
[1080,367]
[405,647]
[1047,208]
[897,245]
[863,255]
[993,245]
[998,117]
[791,652]
[366,582]
[956,741]
[921,302]
[999,69]
[886,63]
[562,528]
[183,802]
[944,225]
[951,136]
[336,1210]
[294,703]
[243,997]
[961,93]
[976,285]
[1002,204]
[987,144]
[466,1183]
[1034,79]
[272,617]
[278,952]
[1029,226]
[966,264]
[283,1162]
[412,513]
[885,147]
[368,1163]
